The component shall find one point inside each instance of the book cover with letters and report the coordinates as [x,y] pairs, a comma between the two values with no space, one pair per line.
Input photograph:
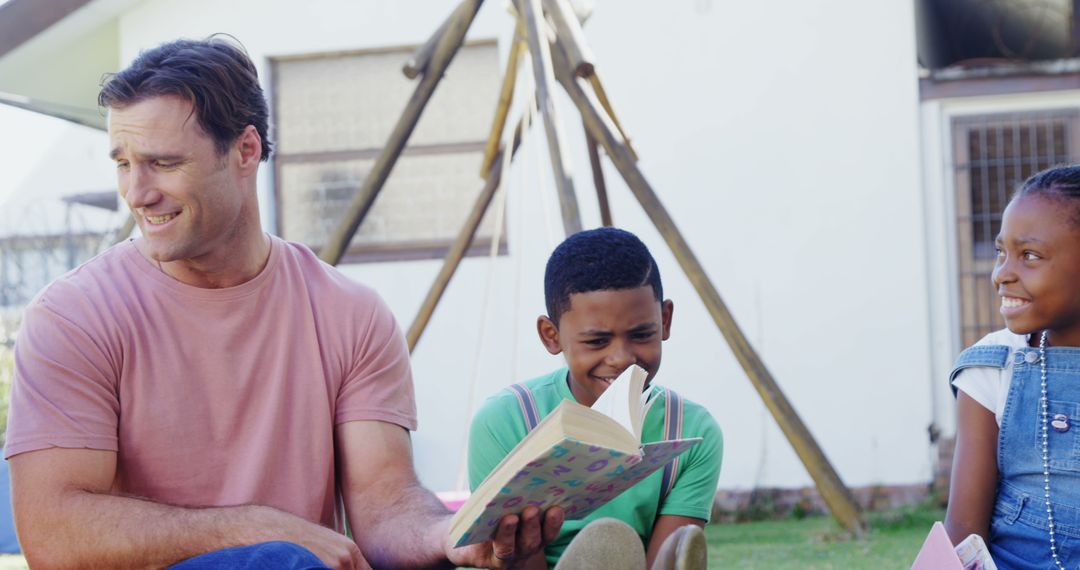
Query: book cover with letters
[577,458]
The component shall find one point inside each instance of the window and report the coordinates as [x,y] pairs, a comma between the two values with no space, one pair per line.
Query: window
[29,262]
[333,114]
[992,155]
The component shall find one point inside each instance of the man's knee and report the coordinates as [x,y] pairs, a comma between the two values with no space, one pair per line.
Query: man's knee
[277,554]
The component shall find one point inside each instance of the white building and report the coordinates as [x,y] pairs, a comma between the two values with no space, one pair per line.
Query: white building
[824,180]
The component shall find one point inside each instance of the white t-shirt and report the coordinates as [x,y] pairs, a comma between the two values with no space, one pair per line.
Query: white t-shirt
[990,386]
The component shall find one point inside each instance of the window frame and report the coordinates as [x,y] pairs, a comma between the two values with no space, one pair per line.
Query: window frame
[405,250]
[976,314]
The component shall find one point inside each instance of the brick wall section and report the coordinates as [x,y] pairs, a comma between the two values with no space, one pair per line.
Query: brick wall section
[945,447]
[765,504]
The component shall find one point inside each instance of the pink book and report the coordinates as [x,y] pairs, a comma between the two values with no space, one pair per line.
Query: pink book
[937,552]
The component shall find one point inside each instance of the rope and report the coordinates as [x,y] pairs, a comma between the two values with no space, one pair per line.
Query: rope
[530,172]
[546,197]
[519,262]
[493,253]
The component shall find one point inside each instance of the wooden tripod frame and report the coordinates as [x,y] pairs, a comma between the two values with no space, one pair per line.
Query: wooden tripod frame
[560,54]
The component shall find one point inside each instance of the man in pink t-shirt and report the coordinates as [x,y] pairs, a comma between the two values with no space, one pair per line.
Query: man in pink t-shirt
[210,395]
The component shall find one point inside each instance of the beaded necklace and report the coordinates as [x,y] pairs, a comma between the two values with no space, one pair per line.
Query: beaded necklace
[1046,451]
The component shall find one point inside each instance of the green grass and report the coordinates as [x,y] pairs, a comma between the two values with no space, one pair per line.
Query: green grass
[811,543]
[819,543]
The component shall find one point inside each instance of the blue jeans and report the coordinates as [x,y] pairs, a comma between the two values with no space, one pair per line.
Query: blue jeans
[266,555]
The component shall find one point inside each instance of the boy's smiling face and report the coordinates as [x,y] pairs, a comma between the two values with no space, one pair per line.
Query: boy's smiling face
[603,333]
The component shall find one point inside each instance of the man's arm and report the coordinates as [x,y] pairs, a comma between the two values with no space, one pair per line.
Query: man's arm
[65,516]
[399,524]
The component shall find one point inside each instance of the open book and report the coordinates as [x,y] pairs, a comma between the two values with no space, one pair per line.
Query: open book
[938,553]
[578,458]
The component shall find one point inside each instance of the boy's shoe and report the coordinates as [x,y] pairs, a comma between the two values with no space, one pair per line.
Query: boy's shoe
[604,543]
[684,549]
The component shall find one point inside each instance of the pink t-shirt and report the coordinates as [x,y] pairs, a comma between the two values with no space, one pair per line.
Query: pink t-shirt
[210,397]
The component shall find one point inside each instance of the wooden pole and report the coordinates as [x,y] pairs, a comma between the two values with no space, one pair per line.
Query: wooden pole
[506,96]
[465,237]
[598,180]
[418,61]
[835,494]
[545,78]
[445,50]
[601,96]
[572,39]
[579,57]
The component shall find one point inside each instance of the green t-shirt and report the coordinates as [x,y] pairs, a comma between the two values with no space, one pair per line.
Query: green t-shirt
[499,425]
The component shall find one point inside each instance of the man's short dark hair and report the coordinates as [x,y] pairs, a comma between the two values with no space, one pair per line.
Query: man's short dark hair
[598,260]
[215,75]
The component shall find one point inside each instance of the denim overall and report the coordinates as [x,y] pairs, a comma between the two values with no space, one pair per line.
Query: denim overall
[1019,533]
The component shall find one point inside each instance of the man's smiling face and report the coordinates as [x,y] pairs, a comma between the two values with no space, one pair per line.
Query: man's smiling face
[182,192]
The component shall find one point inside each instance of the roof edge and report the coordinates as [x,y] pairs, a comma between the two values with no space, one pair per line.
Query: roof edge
[21,20]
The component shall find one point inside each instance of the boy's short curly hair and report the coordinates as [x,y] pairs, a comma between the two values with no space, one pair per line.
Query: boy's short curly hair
[215,75]
[598,260]
[1061,183]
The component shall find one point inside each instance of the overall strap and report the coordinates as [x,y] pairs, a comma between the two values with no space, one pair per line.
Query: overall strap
[982,355]
[528,405]
[673,421]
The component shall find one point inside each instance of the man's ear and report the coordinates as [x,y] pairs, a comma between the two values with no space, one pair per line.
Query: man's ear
[666,308]
[549,334]
[249,149]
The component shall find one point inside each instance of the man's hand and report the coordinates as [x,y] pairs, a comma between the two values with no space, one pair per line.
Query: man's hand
[517,539]
[335,549]
[399,524]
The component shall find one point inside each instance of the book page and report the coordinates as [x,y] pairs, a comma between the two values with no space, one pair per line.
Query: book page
[974,554]
[622,401]
[648,398]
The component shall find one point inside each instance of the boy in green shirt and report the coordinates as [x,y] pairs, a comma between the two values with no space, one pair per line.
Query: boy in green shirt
[606,311]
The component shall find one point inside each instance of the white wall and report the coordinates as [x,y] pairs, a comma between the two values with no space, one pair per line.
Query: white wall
[783,139]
